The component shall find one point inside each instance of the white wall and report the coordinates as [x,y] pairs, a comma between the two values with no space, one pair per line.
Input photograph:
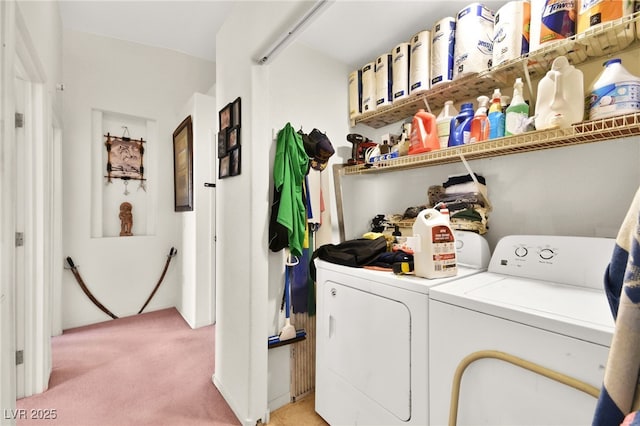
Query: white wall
[121,77]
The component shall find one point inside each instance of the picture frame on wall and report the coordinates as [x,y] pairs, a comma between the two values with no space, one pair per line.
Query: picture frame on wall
[183,166]
[233,138]
[222,143]
[236,112]
[224,167]
[234,162]
[225,117]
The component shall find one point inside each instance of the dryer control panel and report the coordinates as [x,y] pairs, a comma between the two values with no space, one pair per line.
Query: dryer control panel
[580,261]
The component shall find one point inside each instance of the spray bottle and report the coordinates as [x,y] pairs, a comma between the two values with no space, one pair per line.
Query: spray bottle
[496,116]
[480,122]
[517,112]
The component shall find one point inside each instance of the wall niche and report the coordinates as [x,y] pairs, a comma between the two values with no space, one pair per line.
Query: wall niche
[133,143]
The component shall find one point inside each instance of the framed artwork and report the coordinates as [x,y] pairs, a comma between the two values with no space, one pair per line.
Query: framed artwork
[225,117]
[236,112]
[233,138]
[234,166]
[183,166]
[223,167]
[222,143]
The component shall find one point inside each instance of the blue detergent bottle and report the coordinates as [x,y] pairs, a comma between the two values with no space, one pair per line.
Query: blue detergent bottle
[461,126]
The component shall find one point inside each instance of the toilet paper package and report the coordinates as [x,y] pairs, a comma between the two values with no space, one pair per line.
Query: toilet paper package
[355,94]
[384,95]
[400,72]
[511,31]
[442,50]
[420,47]
[368,88]
[473,50]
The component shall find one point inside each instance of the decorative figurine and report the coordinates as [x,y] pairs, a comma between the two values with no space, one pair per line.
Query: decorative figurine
[126,219]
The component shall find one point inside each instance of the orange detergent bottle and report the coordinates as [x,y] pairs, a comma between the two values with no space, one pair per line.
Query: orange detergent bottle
[424,133]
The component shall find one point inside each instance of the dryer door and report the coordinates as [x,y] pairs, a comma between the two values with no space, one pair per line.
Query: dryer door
[369,345]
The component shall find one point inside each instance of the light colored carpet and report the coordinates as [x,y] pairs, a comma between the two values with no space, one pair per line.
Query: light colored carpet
[148,369]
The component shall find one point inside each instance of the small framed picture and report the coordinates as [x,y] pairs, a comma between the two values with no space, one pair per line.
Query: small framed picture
[233,138]
[222,143]
[223,167]
[225,117]
[236,112]
[234,167]
[183,166]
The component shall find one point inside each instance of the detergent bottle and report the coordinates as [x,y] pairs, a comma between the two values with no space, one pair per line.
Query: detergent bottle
[434,245]
[461,126]
[424,133]
[496,116]
[479,130]
[614,92]
[517,111]
[443,122]
[558,94]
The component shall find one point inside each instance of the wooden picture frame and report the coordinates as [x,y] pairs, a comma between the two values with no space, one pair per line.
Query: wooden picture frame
[222,143]
[236,112]
[225,117]
[234,162]
[224,167]
[183,166]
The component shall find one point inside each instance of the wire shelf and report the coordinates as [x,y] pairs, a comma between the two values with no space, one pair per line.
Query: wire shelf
[580,133]
[601,40]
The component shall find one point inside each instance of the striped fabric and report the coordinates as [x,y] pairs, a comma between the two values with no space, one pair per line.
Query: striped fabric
[620,392]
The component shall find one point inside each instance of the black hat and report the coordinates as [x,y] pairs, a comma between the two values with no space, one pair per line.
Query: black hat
[318,148]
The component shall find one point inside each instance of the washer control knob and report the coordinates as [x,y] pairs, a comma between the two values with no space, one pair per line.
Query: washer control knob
[521,251]
[547,254]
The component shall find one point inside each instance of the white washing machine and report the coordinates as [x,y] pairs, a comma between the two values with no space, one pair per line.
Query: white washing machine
[372,340]
[542,300]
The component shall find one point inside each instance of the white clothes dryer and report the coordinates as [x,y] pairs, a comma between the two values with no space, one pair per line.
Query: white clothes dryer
[541,300]
[372,340]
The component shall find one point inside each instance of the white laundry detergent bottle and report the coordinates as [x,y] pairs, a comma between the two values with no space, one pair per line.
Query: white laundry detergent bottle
[559,94]
[435,248]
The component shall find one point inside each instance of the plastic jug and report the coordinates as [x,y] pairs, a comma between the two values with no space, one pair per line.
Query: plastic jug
[479,130]
[434,245]
[496,116]
[443,122]
[559,95]
[517,112]
[461,126]
[424,133]
[614,92]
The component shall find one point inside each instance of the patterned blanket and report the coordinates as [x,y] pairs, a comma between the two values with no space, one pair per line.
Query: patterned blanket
[619,398]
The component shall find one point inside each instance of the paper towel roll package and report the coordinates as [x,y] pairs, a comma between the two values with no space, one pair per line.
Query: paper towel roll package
[400,55]
[592,13]
[420,60]
[511,31]
[355,93]
[473,50]
[384,94]
[368,88]
[551,20]
[442,50]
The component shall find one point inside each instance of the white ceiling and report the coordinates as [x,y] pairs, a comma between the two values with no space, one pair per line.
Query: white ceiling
[352,31]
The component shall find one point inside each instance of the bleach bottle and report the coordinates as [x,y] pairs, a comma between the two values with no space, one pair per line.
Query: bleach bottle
[558,92]
[517,111]
[443,122]
[479,130]
[496,116]
[461,126]
[435,247]
[615,92]
[424,133]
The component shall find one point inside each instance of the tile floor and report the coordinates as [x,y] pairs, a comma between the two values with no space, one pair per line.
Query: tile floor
[299,413]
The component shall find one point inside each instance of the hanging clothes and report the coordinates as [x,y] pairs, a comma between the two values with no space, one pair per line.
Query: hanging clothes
[620,392]
[289,168]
